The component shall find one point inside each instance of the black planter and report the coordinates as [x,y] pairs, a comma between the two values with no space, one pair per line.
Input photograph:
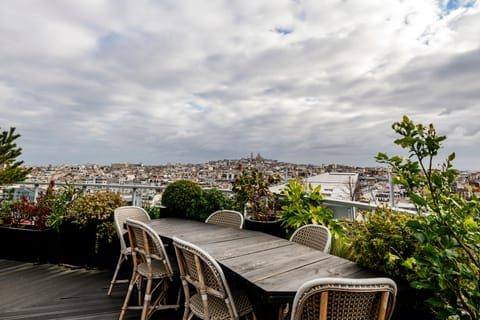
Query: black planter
[25,243]
[76,246]
[71,245]
[270,227]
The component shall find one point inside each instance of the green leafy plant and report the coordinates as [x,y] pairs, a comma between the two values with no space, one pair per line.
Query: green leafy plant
[96,210]
[59,204]
[251,193]
[7,210]
[382,241]
[186,199]
[181,198]
[447,263]
[302,205]
[212,200]
[153,212]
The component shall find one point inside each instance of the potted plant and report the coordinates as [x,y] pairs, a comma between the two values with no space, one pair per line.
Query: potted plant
[87,230]
[253,197]
[302,205]
[24,225]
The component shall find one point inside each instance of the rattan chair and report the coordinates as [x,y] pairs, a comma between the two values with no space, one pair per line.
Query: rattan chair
[120,215]
[229,218]
[211,296]
[313,235]
[150,265]
[346,299]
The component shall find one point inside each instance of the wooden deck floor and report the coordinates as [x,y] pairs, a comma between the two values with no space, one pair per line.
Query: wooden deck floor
[55,292]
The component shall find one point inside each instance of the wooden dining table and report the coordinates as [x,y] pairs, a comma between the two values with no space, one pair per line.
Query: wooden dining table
[269,268]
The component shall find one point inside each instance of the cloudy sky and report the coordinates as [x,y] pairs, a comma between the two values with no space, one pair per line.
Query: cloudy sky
[178,81]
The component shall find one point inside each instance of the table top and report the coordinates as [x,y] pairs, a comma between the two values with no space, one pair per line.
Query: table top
[275,265]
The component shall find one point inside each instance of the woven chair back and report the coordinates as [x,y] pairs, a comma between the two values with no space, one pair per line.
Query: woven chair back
[229,218]
[314,236]
[200,270]
[346,299]
[146,245]
[120,216]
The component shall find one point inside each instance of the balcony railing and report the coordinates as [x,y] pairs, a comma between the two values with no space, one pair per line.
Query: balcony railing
[140,195]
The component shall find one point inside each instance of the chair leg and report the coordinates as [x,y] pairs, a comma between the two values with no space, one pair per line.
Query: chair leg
[115,274]
[147,300]
[134,279]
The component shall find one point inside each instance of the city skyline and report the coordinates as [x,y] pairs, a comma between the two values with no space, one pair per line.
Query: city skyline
[187,81]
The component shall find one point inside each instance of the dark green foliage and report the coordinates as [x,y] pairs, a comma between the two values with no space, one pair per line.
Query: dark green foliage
[11,169]
[447,263]
[181,199]
[211,201]
[301,206]
[382,241]
[185,199]
[153,212]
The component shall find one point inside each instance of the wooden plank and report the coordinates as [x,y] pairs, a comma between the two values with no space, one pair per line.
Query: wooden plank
[47,291]
[197,232]
[238,248]
[269,263]
[332,266]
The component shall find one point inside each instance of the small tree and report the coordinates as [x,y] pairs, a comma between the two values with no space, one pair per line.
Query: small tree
[251,192]
[448,262]
[11,169]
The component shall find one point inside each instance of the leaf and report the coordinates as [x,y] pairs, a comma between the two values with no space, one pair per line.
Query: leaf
[417,199]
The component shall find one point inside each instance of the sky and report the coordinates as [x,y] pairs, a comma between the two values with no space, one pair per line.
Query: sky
[173,81]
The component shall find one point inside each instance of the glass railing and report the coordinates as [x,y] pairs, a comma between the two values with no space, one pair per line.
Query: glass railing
[150,195]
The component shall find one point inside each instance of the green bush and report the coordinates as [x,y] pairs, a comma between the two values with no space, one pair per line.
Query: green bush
[382,241]
[185,199]
[181,199]
[96,210]
[211,200]
[153,212]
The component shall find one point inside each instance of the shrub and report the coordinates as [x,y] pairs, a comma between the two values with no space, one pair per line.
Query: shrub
[211,200]
[96,210]
[153,212]
[185,199]
[181,199]
[383,242]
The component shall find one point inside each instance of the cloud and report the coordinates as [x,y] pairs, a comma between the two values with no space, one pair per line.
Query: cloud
[188,81]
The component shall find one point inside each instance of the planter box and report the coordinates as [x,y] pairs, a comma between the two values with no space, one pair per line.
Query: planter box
[76,246]
[25,243]
[270,227]
[71,245]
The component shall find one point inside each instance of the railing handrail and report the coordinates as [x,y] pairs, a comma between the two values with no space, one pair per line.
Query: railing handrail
[350,206]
